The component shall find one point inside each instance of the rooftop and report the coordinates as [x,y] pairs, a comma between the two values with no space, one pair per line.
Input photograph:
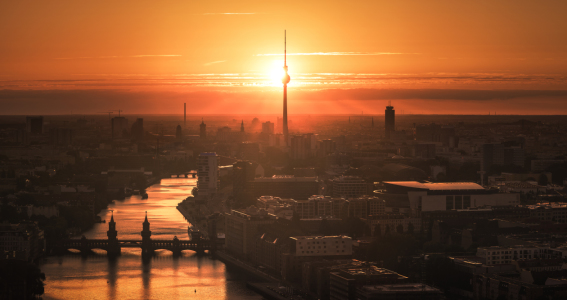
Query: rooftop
[396,288]
[441,186]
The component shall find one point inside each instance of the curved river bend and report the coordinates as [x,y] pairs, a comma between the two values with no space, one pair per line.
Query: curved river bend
[127,277]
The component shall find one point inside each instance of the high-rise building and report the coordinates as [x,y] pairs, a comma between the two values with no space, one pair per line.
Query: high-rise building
[298,147]
[268,128]
[184,114]
[34,125]
[203,130]
[390,116]
[243,174]
[119,127]
[208,173]
[137,130]
[242,126]
[178,133]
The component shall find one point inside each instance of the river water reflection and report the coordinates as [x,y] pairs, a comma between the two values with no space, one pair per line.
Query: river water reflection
[128,277]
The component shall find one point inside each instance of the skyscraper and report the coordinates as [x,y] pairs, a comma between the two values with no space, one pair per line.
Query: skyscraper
[34,125]
[285,80]
[119,127]
[137,130]
[208,174]
[178,133]
[390,116]
[203,130]
[184,114]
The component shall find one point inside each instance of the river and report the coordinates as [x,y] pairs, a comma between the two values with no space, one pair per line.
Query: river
[73,276]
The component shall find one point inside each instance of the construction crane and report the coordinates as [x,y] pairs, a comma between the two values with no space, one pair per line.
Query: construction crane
[106,112]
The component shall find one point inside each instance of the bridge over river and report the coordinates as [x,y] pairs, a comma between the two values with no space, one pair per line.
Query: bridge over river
[113,245]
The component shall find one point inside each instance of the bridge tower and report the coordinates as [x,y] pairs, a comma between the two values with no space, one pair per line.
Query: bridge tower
[176,247]
[113,245]
[147,248]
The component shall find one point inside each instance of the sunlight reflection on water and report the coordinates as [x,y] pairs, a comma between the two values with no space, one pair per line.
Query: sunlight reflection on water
[127,277]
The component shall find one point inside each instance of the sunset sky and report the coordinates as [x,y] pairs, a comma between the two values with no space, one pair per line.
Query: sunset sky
[456,57]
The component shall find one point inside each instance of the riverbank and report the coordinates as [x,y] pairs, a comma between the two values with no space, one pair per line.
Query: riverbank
[231,261]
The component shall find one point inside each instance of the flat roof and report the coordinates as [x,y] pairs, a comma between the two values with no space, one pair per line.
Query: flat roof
[437,186]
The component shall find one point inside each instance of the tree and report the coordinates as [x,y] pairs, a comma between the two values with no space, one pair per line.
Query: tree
[387,231]
[400,228]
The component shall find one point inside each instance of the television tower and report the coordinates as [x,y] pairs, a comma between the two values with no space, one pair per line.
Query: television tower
[285,81]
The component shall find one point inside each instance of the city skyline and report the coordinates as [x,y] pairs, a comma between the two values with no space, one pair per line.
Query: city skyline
[442,57]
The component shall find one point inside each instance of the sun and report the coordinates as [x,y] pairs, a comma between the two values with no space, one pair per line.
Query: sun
[276,72]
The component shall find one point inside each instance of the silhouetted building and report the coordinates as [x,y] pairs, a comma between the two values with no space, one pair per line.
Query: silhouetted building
[61,136]
[34,125]
[208,174]
[346,283]
[119,127]
[424,150]
[498,155]
[268,128]
[137,130]
[390,116]
[241,228]
[178,133]
[23,241]
[203,130]
[349,187]
[298,147]
[285,186]
[243,174]
[242,126]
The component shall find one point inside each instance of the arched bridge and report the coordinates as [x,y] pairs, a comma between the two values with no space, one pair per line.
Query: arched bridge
[113,245]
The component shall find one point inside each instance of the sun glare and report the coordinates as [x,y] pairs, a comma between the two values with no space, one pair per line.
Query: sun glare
[276,72]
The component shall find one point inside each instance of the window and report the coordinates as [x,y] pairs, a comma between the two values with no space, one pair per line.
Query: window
[458,202]
[466,201]
[449,204]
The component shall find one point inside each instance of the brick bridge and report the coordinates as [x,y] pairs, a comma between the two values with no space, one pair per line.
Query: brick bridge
[113,245]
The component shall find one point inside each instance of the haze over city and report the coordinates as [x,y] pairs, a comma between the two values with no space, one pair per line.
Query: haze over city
[283,150]
[435,57]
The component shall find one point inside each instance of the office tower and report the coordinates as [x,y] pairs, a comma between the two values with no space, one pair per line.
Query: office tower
[492,154]
[208,173]
[184,114]
[203,130]
[243,174]
[178,133]
[268,128]
[285,80]
[298,147]
[390,116]
[119,127]
[242,126]
[137,130]
[34,125]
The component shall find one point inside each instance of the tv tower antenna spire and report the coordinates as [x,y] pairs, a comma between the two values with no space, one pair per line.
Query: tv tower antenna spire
[285,81]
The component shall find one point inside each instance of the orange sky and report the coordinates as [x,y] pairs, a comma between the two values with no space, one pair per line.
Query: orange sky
[198,49]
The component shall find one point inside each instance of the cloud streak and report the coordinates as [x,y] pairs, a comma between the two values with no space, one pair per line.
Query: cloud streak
[337,54]
[214,62]
[116,56]
[211,14]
